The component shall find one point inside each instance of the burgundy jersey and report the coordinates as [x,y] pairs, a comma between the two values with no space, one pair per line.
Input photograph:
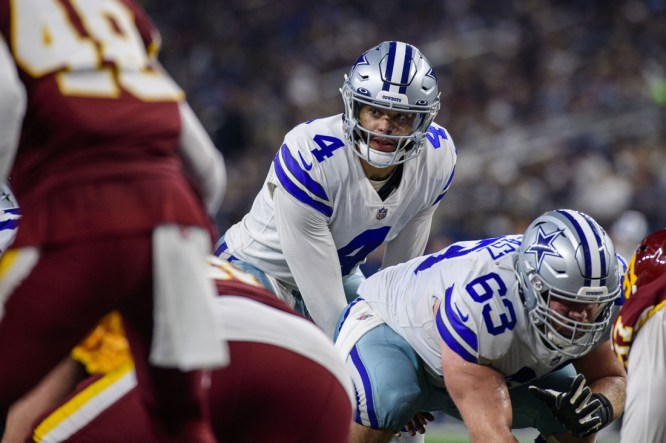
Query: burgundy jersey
[637,309]
[98,149]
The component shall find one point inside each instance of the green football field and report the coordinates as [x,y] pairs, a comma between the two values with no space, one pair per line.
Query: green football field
[448,430]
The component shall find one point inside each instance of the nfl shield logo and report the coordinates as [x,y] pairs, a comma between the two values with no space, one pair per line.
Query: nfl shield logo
[381,213]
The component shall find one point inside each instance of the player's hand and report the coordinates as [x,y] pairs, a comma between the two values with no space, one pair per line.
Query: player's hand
[417,424]
[581,411]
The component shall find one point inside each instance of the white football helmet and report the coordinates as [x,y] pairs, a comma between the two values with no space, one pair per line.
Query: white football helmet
[565,255]
[393,76]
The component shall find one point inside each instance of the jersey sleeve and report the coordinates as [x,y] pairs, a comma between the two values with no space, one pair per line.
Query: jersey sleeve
[458,328]
[473,319]
[203,163]
[12,109]
[442,142]
[310,252]
[296,171]
[149,34]
[411,241]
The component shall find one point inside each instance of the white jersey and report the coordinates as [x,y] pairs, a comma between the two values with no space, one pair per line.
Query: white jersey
[481,317]
[315,167]
[9,217]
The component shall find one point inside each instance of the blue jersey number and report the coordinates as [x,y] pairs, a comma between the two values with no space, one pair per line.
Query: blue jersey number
[359,248]
[435,135]
[327,146]
[483,289]
[497,247]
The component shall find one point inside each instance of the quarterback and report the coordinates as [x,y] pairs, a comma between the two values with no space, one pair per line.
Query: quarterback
[503,333]
[341,186]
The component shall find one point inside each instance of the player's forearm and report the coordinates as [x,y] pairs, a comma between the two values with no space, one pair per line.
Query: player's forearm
[485,425]
[319,281]
[614,389]
[605,375]
[411,242]
[310,252]
[202,161]
[53,388]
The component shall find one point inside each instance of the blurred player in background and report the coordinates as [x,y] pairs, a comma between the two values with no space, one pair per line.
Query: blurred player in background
[341,186]
[9,216]
[117,181]
[639,340]
[285,382]
[492,332]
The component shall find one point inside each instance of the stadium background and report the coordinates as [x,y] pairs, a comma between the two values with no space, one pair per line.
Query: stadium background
[550,103]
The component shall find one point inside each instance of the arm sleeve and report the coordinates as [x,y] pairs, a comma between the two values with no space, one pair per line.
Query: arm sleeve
[411,241]
[310,252]
[203,163]
[12,110]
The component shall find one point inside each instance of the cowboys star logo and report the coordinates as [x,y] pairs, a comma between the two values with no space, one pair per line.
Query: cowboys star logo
[543,245]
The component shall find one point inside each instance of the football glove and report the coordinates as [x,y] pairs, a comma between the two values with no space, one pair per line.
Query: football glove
[581,411]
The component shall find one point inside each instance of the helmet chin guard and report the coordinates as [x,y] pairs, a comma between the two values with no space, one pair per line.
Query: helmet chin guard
[393,76]
[566,257]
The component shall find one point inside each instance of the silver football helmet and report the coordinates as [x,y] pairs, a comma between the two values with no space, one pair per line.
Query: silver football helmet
[566,257]
[393,76]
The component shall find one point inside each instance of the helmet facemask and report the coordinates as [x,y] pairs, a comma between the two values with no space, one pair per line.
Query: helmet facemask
[559,332]
[370,82]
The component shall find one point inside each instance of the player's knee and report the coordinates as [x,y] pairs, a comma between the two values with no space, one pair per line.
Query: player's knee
[397,407]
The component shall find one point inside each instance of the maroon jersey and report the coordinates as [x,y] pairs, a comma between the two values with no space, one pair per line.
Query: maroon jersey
[285,382]
[97,170]
[98,149]
[637,309]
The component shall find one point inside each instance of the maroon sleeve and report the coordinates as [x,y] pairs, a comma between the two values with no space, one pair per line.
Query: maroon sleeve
[149,33]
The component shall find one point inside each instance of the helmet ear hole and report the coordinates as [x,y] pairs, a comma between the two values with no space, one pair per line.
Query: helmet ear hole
[538,284]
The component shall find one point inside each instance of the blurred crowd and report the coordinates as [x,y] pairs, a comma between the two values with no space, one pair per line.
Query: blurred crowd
[550,103]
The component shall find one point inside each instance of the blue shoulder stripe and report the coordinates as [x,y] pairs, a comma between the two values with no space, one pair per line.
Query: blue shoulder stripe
[301,175]
[455,331]
[446,187]
[8,224]
[297,192]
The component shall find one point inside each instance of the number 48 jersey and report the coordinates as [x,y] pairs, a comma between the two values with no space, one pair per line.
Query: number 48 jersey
[315,167]
[75,58]
[481,316]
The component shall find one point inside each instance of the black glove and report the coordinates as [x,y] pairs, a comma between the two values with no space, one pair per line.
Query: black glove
[581,411]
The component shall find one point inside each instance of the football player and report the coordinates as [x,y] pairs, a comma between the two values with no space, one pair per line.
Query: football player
[117,182]
[503,333]
[639,340]
[285,382]
[341,186]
